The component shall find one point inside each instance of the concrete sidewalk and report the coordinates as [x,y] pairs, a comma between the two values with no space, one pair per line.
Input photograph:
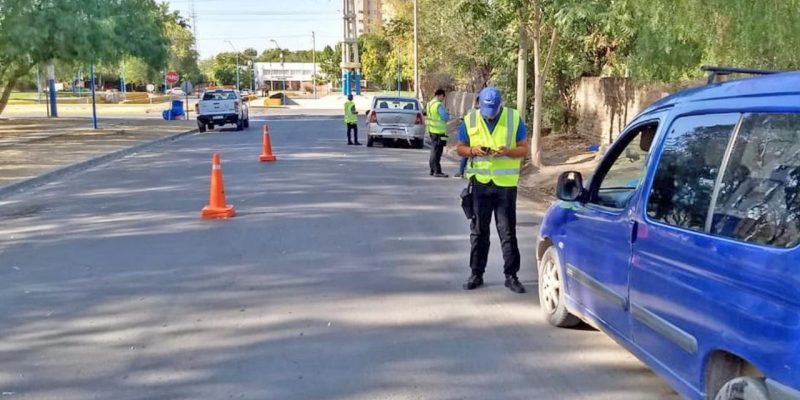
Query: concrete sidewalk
[34,147]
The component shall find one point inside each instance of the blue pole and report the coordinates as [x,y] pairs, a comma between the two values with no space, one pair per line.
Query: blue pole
[358,82]
[345,82]
[94,100]
[51,85]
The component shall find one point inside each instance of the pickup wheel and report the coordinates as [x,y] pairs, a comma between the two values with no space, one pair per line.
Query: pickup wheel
[239,125]
[419,144]
[551,291]
[211,127]
[246,123]
[744,388]
[370,141]
[201,127]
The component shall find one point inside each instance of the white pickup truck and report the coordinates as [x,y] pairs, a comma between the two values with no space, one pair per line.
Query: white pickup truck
[218,107]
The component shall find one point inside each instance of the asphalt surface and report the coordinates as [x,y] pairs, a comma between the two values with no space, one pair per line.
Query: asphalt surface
[340,278]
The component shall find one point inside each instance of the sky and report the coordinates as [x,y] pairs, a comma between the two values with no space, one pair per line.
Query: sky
[253,23]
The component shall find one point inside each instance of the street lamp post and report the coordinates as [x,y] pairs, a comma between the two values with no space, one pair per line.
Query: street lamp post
[416,55]
[283,67]
[314,62]
[237,63]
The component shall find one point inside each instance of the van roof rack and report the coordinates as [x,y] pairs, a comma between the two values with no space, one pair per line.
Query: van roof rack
[714,72]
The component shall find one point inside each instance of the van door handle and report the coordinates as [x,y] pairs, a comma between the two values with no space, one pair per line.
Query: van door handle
[634,230]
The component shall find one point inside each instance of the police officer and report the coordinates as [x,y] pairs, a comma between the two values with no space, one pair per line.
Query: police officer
[351,120]
[495,139]
[437,128]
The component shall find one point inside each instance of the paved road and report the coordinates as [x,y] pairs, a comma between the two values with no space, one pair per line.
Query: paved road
[339,279]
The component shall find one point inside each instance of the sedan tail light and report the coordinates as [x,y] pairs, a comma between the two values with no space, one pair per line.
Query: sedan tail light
[373,118]
[419,120]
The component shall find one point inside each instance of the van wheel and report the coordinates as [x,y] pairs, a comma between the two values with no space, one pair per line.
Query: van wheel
[211,127]
[370,141]
[551,291]
[201,127]
[744,388]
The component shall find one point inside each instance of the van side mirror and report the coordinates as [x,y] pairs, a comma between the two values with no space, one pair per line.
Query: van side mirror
[570,186]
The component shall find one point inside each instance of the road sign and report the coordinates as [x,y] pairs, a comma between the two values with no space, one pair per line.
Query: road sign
[187,87]
[172,77]
[151,87]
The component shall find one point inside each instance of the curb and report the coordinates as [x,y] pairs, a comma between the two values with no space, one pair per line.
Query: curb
[47,177]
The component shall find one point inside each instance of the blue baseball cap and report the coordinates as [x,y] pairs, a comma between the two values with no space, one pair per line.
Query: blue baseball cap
[490,102]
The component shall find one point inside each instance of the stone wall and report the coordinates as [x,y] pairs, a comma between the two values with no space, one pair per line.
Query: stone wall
[605,105]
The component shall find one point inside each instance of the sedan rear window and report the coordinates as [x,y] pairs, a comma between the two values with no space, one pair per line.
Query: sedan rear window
[384,103]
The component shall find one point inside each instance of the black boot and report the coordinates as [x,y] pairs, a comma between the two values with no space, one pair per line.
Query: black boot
[513,284]
[474,282]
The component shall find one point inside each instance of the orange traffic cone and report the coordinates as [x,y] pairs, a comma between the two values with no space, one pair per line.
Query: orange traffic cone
[266,153]
[217,207]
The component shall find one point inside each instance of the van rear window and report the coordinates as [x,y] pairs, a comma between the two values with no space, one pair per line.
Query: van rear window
[759,196]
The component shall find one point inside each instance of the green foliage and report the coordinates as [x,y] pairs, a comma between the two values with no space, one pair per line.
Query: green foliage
[329,64]
[35,32]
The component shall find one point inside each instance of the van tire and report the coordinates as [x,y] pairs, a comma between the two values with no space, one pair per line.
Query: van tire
[370,141]
[201,127]
[551,291]
[744,388]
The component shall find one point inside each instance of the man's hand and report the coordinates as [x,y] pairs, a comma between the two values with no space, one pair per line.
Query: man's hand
[502,152]
[476,151]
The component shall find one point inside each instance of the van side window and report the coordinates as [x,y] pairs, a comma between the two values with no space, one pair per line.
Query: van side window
[627,169]
[759,197]
[687,170]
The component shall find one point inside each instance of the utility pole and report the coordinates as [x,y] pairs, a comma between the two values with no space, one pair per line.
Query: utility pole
[416,55]
[237,63]
[351,67]
[314,62]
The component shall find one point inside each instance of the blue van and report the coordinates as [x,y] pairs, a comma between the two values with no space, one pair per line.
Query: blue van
[683,246]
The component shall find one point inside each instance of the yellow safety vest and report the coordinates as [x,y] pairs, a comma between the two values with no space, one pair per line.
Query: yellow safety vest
[349,116]
[503,171]
[436,125]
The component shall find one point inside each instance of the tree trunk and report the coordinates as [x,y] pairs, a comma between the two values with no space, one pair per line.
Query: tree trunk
[540,75]
[7,93]
[522,64]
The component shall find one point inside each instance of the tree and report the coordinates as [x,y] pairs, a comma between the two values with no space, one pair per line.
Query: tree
[36,32]
[137,71]
[182,51]
[329,64]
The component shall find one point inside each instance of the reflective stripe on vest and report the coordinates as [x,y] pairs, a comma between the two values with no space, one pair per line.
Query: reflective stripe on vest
[503,171]
[436,125]
[349,116]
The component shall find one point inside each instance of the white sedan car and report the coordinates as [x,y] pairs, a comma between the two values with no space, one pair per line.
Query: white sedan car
[395,119]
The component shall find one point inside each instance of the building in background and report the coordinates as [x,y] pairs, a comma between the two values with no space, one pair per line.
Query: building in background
[369,15]
[272,75]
